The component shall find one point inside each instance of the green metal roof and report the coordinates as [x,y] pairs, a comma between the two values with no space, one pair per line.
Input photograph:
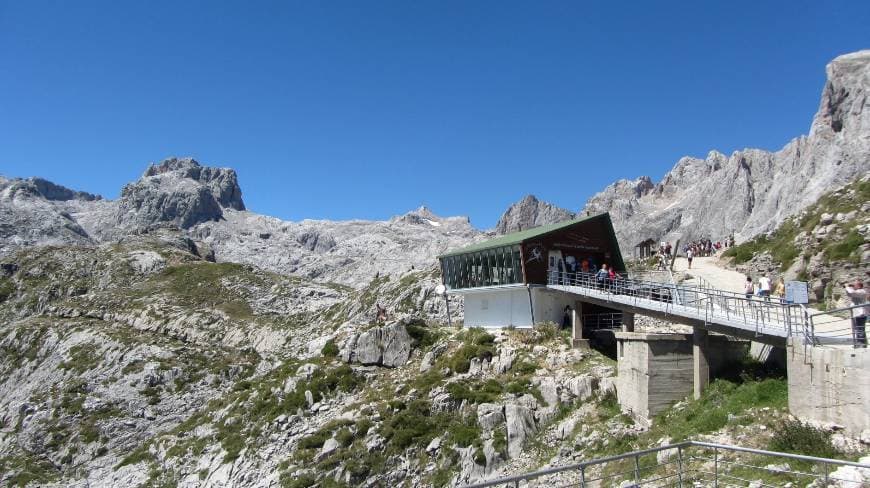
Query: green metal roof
[518,237]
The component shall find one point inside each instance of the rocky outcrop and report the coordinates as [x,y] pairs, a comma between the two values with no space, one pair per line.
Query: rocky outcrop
[38,187]
[751,191]
[180,192]
[520,422]
[222,182]
[388,346]
[37,212]
[530,212]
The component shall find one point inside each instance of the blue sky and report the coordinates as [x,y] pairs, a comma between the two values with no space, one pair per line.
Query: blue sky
[369,109]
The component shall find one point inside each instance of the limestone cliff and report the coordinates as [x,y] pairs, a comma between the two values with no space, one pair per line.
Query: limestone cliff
[751,191]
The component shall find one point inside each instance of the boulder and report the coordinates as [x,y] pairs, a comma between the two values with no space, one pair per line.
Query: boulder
[388,346]
[489,416]
[520,425]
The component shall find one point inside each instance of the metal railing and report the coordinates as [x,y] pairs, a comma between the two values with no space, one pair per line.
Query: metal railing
[688,464]
[602,320]
[836,326]
[755,314]
[761,315]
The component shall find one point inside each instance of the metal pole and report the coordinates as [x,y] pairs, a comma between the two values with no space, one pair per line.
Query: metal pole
[826,474]
[447,301]
[680,465]
[716,467]
[636,469]
[582,476]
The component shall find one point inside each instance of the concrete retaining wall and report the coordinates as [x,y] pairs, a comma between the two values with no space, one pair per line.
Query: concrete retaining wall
[830,385]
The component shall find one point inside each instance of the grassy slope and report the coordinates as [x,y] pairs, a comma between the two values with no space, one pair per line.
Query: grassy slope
[781,243]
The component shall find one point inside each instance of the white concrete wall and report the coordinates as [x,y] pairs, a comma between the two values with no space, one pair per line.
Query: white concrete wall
[506,307]
[550,304]
[498,308]
[830,385]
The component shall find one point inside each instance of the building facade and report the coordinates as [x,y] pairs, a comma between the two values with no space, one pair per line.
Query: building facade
[503,280]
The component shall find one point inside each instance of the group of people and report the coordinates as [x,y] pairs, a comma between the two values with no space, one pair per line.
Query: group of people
[574,265]
[703,247]
[763,289]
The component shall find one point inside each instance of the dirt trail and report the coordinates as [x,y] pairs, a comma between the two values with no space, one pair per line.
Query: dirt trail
[715,273]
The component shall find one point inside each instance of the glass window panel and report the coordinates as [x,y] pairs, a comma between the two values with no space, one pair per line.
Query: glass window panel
[518,265]
[449,275]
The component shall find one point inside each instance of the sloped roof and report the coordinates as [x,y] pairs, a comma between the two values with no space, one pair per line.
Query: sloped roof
[521,236]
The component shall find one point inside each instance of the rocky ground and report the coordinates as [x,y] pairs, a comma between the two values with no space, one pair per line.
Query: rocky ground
[141,363]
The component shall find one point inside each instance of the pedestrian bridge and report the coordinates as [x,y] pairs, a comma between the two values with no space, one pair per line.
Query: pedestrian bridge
[768,320]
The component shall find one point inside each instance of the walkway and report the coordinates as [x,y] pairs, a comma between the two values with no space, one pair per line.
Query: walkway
[769,321]
[711,271]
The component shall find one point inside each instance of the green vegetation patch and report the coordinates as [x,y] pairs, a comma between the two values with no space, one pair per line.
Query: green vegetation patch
[797,437]
[7,289]
[780,243]
[330,349]
[721,399]
[26,469]
[476,343]
[200,285]
[82,357]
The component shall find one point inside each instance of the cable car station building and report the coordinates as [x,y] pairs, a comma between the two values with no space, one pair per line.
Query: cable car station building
[503,280]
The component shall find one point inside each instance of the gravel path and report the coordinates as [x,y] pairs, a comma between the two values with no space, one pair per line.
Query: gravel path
[711,270]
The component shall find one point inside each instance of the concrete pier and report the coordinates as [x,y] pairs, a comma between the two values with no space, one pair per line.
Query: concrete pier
[577,338]
[654,371]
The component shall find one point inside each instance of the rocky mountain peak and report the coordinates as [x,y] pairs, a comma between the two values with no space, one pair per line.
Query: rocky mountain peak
[179,191]
[423,215]
[41,188]
[223,182]
[530,212]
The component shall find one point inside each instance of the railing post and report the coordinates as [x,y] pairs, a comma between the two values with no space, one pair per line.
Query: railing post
[716,467]
[826,474]
[680,465]
[583,476]
[636,469]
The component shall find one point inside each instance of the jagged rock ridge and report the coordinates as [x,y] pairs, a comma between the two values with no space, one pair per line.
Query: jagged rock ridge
[206,204]
[752,191]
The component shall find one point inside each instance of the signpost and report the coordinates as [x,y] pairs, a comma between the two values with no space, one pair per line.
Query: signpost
[797,292]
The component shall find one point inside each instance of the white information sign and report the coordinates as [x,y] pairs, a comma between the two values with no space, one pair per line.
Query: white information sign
[796,292]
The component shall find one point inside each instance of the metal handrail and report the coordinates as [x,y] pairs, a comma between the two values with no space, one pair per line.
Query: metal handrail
[761,315]
[635,455]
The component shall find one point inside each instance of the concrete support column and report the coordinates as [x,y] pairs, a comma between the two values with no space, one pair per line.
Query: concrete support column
[627,322]
[577,339]
[700,360]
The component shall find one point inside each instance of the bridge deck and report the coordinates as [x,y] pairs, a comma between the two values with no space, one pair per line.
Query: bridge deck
[764,319]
